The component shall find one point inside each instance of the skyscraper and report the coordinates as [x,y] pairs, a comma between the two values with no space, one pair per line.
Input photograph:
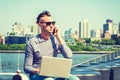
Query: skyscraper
[108,26]
[84,29]
[119,28]
[115,29]
[93,34]
[18,29]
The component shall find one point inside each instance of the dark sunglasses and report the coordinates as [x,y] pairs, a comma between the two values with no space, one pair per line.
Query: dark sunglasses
[49,23]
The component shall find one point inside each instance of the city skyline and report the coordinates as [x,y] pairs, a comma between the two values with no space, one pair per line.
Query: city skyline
[67,14]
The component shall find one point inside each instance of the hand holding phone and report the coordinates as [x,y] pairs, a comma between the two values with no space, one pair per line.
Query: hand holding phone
[54,31]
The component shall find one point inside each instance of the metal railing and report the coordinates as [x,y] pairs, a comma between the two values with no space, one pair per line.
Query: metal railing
[104,58]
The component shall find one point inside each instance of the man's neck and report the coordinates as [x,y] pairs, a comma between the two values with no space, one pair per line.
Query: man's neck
[45,36]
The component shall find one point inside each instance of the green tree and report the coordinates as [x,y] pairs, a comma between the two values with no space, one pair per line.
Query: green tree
[87,40]
[12,47]
[12,34]
[96,41]
[108,42]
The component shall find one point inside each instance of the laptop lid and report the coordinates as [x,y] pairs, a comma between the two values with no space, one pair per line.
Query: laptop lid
[55,67]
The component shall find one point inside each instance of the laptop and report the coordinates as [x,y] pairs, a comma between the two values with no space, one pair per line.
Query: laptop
[55,67]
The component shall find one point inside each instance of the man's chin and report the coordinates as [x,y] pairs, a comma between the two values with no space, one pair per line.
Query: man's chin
[50,32]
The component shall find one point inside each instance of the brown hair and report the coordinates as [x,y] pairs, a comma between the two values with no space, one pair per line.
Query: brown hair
[42,14]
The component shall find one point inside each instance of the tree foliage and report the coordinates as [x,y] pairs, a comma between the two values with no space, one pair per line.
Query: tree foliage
[108,42]
[12,47]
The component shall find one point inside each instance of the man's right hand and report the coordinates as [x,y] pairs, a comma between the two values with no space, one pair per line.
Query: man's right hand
[36,70]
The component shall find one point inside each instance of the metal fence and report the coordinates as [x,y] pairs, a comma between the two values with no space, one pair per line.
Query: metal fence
[104,58]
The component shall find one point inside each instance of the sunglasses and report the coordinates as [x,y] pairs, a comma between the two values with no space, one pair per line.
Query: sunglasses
[49,23]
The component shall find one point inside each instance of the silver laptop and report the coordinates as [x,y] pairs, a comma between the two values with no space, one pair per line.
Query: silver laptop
[55,67]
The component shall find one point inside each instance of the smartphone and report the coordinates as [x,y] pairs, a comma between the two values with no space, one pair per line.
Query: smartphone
[53,30]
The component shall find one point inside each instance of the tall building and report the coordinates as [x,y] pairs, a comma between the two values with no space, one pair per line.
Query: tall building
[119,28]
[98,33]
[107,35]
[35,29]
[32,30]
[18,29]
[93,33]
[84,29]
[68,35]
[1,39]
[111,28]
[101,33]
[115,29]
[108,26]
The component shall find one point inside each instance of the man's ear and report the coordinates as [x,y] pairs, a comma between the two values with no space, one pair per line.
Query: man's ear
[39,24]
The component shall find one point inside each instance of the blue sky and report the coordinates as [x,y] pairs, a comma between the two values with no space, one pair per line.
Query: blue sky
[67,13]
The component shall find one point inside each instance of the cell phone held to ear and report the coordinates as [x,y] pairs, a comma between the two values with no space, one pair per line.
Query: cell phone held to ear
[54,31]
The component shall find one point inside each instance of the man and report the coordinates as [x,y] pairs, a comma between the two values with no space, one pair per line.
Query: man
[17,76]
[47,43]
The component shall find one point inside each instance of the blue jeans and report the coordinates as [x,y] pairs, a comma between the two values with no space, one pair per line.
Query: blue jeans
[38,77]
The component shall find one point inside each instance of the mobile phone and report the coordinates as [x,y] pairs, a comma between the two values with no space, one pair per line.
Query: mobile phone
[53,30]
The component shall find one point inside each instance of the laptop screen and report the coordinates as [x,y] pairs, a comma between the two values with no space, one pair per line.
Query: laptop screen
[56,67]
